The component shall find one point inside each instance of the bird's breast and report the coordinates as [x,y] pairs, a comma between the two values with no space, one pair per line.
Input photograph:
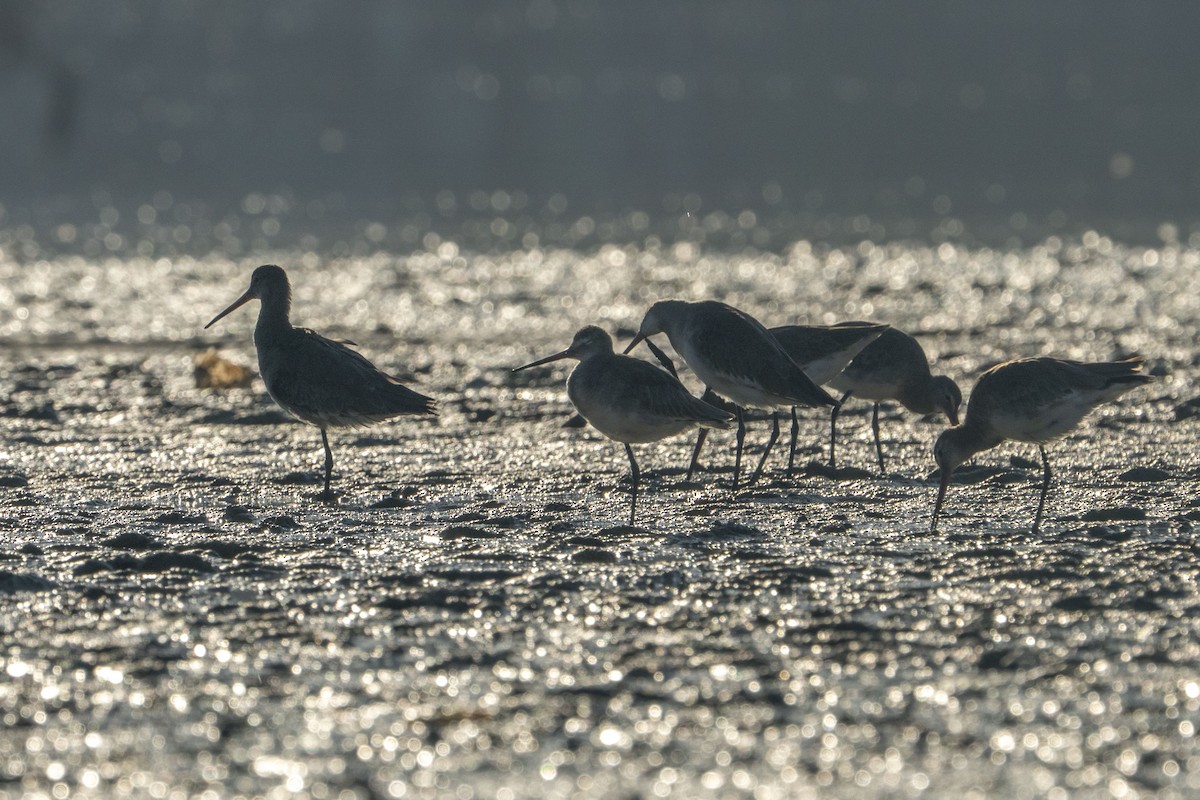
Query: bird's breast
[612,404]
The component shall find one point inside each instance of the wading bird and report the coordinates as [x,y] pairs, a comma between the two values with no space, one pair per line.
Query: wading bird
[893,367]
[318,380]
[821,351]
[1031,400]
[629,400]
[737,359]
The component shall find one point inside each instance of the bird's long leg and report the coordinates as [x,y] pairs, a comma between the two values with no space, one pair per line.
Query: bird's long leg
[770,443]
[327,495]
[1037,521]
[875,429]
[695,462]
[833,428]
[795,435]
[635,475]
[741,439]
[707,397]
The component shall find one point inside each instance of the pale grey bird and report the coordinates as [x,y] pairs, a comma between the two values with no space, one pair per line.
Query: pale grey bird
[629,400]
[1031,400]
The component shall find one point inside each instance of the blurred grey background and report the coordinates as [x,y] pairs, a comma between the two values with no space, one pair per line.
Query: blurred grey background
[1079,113]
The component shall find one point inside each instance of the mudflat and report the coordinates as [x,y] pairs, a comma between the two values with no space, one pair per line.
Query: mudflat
[179,615]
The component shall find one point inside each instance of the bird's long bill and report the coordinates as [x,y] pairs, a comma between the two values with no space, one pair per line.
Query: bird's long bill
[636,341]
[662,358]
[241,301]
[556,357]
[952,415]
[937,507]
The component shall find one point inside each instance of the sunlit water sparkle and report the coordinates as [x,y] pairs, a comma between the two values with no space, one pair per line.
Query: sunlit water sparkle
[179,617]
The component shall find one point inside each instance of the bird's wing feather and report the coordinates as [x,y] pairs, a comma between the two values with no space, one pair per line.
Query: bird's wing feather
[757,358]
[636,387]
[1049,395]
[823,350]
[320,376]
[892,357]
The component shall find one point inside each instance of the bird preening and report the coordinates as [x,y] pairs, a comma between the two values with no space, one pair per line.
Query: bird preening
[315,379]
[737,359]
[742,365]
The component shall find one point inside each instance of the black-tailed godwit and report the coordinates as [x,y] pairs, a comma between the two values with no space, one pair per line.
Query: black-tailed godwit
[893,367]
[629,400]
[735,357]
[315,379]
[1031,400]
[821,351]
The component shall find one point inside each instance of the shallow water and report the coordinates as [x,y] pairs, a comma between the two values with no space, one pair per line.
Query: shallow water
[476,620]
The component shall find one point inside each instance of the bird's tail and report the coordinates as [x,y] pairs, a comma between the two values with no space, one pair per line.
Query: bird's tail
[717,422]
[1121,376]
[710,411]
[406,401]
[810,394]
[1127,370]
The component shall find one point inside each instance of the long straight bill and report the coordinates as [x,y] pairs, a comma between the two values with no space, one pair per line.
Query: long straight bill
[636,341]
[937,507]
[662,358]
[241,301]
[556,357]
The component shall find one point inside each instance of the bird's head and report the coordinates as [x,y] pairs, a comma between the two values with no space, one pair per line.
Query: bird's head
[947,397]
[950,450]
[588,342]
[268,284]
[658,319]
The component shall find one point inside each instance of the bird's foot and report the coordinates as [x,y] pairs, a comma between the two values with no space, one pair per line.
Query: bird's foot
[328,497]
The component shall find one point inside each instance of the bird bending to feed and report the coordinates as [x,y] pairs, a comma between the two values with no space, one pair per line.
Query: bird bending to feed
[893,367]
[821,351]
[629,400]
[315,379]
[737,359]
[1031,400]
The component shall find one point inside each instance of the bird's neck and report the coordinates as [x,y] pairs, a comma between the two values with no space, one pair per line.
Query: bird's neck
[919,396]
[973,437]
[273,319]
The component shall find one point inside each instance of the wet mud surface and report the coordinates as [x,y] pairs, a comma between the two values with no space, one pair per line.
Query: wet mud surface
[476,619]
